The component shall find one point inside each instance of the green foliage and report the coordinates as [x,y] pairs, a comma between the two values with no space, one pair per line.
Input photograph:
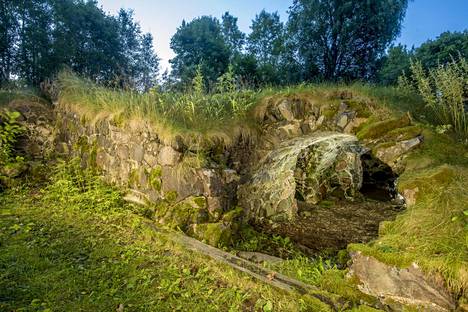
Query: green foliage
[343,39]
[76,246]
[431,54]
[199,43]
[267,37]
[193,114]
[9,131]
[40,37]
[233,37]
[442,50]
[444,89]
[81,188]
[251,240]
[395,63]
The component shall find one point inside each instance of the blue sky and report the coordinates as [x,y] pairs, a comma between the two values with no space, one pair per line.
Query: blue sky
[425,19]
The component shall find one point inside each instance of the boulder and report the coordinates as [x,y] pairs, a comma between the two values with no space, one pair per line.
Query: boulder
[168,156]
[310,167]
[393,154]
[214,234]
[405,286]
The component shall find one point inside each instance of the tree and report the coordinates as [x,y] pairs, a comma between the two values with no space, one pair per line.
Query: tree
[199,42]
[446,47]
[39,37]
[129,37]
[86,40]
[147,65]
[34,44]
[395,63]
[8,36]
[266,40]
[344,39]
[266,43]
[233,37]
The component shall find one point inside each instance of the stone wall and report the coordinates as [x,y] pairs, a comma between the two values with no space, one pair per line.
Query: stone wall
[134,157]
[254,173]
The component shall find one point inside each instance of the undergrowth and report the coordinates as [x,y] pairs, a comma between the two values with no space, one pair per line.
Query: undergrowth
[444,90]
[76,245]
[433,231]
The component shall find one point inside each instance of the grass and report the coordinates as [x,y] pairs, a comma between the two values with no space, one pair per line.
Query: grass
[203,120]
[444,90]
[7,96]
[194,116]
[74,245]
[434,231]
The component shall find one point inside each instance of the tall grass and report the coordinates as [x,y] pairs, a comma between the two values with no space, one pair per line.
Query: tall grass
[223,115]
[196,116]
[444,90]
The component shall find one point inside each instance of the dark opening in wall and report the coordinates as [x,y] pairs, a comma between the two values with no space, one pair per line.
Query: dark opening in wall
[378,179]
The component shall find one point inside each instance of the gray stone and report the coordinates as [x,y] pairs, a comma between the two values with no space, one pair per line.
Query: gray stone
[311,166]
[150,160]
[212,182]
[122,152]
[285,110]
[185,182]
[138,153]
[408,286]
[342,121]
[392,155]
[216,207]
[168,156]
[258,257]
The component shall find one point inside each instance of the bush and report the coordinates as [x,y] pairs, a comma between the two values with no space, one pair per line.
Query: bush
[9,131]
[444,90]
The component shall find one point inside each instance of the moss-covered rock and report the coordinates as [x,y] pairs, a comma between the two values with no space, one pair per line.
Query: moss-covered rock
[185,213]
[379,129]
[215,234]
[233,215]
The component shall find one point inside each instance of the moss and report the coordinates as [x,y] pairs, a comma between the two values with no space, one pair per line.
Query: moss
[327,203]
[360,107]
[83,120]
[133,179]
[171,196]
[214,234]
[335,281]
[232,215]
[329,110]
[379,129]
[183,214]
[425,179]
[200,201]
[155,178]
[405,133]
[310,303]
[364,308]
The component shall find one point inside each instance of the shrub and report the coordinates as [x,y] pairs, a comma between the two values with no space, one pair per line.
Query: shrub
[444,90]
[9,131]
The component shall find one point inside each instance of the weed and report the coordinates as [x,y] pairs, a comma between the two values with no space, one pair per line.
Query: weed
[444,89]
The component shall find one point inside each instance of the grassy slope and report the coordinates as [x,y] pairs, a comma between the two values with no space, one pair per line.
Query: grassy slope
[75,246]
[433,232]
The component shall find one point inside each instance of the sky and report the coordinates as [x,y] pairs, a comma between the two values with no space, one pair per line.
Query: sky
[425,19]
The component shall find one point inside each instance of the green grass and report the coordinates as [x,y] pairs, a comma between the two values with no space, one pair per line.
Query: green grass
[205,119]
[434,231]
[7,96]
[74,245]
[196,117]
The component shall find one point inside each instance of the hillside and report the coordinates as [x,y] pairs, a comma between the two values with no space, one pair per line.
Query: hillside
[344,183]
